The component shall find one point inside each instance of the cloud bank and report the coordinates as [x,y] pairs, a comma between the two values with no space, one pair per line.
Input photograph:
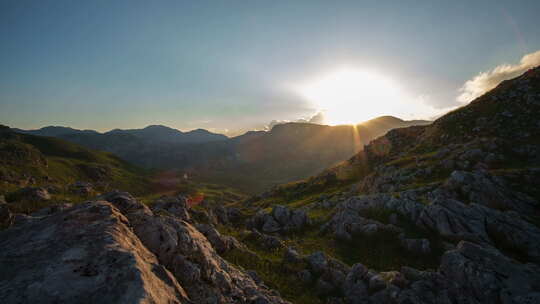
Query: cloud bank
[486,81]
[318,118]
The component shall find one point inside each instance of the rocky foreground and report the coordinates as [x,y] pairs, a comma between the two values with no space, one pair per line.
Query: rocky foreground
[117,250]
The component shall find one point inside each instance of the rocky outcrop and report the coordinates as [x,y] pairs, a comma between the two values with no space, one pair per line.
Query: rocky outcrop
[469,274]
[118,250]
[266,241]
[86,254]
[476,223]
[176,206]
[349,220]
[190,257]
[221,243]
[483,274]
[490,191]
[280,219]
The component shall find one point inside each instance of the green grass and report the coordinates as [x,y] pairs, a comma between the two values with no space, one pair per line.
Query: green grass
[275,274]
[54,162]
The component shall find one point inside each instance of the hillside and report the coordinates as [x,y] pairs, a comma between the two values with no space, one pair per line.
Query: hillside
[59,170]
[444,213]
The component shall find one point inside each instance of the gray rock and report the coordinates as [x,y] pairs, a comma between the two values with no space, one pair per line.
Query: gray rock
[376,283]
[270,226]
[176,206]
[253,274]
[318,262]
[476,272]
[291,256]
[482,225]
[356,293]
[298,220]
[22,219]
[281,214]
[86,254]
[272,242]
[349,219]
[280,219]
[220,243]
[190,257]
[490,191]
[358,273]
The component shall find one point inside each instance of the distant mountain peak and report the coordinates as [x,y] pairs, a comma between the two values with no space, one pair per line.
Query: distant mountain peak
[159,127]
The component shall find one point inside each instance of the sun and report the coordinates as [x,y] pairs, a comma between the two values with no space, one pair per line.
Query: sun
[349,96]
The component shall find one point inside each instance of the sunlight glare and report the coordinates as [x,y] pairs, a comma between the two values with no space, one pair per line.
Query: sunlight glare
[348,96]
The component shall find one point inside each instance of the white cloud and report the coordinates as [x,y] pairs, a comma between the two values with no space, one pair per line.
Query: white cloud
[486,81]
[317,118]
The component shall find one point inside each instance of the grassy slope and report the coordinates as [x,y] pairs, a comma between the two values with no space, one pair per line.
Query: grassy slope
[28,160]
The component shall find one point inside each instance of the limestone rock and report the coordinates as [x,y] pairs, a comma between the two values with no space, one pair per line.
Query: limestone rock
[270,226]
[280,219]
[190,257]
[86,254]
[291,256]
[318,261]
[177,206]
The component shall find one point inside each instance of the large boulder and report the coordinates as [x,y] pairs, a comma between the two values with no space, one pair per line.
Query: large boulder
[280,219]
[482,225]
[488,190]
[221,243]
[318,262]
[266,241]
[271,225]
[483,273]
[86,254]
[281,214]
[176,206]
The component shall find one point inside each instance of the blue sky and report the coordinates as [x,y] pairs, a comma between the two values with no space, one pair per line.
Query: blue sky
[227,65]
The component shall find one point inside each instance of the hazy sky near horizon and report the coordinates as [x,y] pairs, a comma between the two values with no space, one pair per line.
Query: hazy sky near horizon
[229,66]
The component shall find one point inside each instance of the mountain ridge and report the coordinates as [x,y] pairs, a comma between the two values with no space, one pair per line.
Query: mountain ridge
[150,132]
[287,152]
